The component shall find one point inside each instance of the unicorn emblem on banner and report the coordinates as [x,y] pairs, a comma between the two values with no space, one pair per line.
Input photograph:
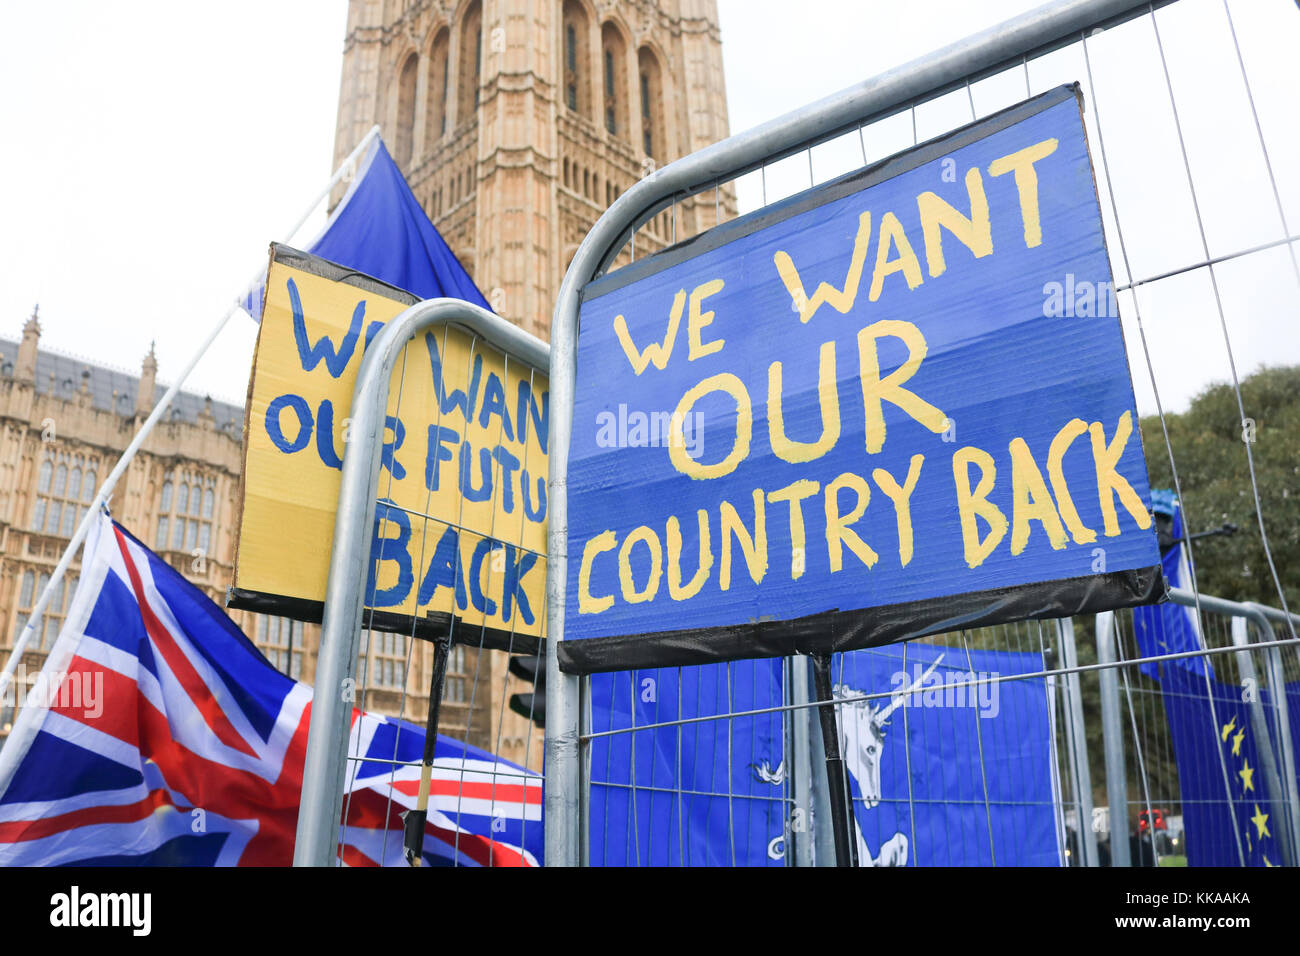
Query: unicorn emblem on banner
[863,726]
[862,742]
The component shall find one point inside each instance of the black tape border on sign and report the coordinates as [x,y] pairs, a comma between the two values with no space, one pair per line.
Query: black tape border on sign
[325,269]
[431,627]
[836,631]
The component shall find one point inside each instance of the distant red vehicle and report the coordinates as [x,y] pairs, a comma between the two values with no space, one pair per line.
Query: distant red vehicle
[1157,820]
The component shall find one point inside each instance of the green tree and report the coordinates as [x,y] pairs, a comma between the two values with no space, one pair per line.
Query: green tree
[1209,443]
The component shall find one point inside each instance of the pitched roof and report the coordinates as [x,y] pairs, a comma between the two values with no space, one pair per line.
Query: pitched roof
[111,389]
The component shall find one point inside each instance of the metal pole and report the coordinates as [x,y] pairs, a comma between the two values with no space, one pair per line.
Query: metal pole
[413,834]
[1263,739]
[331,715]
[1079,748]
[1035,32]
[1112,736]
[106,489]
[837,781]
[801,830]
[1286,746]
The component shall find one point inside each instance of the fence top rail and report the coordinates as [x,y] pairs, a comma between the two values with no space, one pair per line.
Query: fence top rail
[1220,605]
[1028,36]
[986,680]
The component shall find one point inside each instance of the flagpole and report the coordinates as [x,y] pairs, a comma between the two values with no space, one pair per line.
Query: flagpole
[106,489]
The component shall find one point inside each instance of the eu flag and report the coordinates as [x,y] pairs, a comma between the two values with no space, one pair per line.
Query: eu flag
[1228,819]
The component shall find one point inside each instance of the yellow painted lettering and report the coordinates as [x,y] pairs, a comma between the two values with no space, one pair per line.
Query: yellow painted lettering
[902,499]
[892,236]
[1030,500]
[1110,482]
[838,532]
[839,299]
[697,320]
[588,603]
[1021,163]
[795,493]
[890,388]
[976,504]
[677,453]
[974,232]
[675,589]
[753,546]
[1081,533]
[655,352]
[630,593]
[787,449]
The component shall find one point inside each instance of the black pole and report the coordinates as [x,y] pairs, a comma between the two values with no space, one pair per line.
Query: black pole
[846,848]
[413,832]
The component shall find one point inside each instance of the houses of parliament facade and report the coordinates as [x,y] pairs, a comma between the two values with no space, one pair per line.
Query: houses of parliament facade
[516,124]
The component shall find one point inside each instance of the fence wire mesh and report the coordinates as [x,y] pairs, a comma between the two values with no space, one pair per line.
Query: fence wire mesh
[987,747]
[469,561]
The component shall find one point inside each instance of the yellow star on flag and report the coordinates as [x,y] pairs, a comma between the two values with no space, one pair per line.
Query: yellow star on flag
[1236,743]
[1260,819]
[1228,728]
[1247,775]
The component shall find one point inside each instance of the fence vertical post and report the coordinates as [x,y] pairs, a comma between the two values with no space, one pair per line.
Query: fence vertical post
[1277,795]
[1112,736]
[837,778]
[1079,748]
[1285,744]
[823,840]
[801,763]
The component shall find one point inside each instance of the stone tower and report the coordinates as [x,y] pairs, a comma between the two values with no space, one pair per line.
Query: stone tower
[517,122]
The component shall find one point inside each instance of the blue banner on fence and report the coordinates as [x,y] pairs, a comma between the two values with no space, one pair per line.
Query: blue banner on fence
[1170,628]
[979,757]
[901,387]
[706,793]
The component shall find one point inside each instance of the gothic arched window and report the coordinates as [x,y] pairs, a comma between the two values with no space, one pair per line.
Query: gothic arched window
[577,76]
[439,60]
[405,132]
[615,80]
[652,104]
[471,62]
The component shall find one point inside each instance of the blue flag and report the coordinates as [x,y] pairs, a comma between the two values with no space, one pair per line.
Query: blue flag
[1226,821]
[1170,628]
[675,810]
[710,793]
[953,775]
[379,229]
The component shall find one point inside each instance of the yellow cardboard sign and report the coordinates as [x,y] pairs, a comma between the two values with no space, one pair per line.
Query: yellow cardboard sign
[461,523]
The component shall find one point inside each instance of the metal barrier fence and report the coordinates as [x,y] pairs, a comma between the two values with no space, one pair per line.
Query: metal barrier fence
[1113,720]
[330,768]
[679,766]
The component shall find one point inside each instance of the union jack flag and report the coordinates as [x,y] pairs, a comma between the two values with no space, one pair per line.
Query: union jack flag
[157,734]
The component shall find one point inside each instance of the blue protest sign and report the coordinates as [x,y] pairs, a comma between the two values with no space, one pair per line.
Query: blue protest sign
[894,405]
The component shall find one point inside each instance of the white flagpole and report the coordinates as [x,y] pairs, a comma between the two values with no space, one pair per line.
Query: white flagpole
[106,489]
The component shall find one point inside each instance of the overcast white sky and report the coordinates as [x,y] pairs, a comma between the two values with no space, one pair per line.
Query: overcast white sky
[153,149]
